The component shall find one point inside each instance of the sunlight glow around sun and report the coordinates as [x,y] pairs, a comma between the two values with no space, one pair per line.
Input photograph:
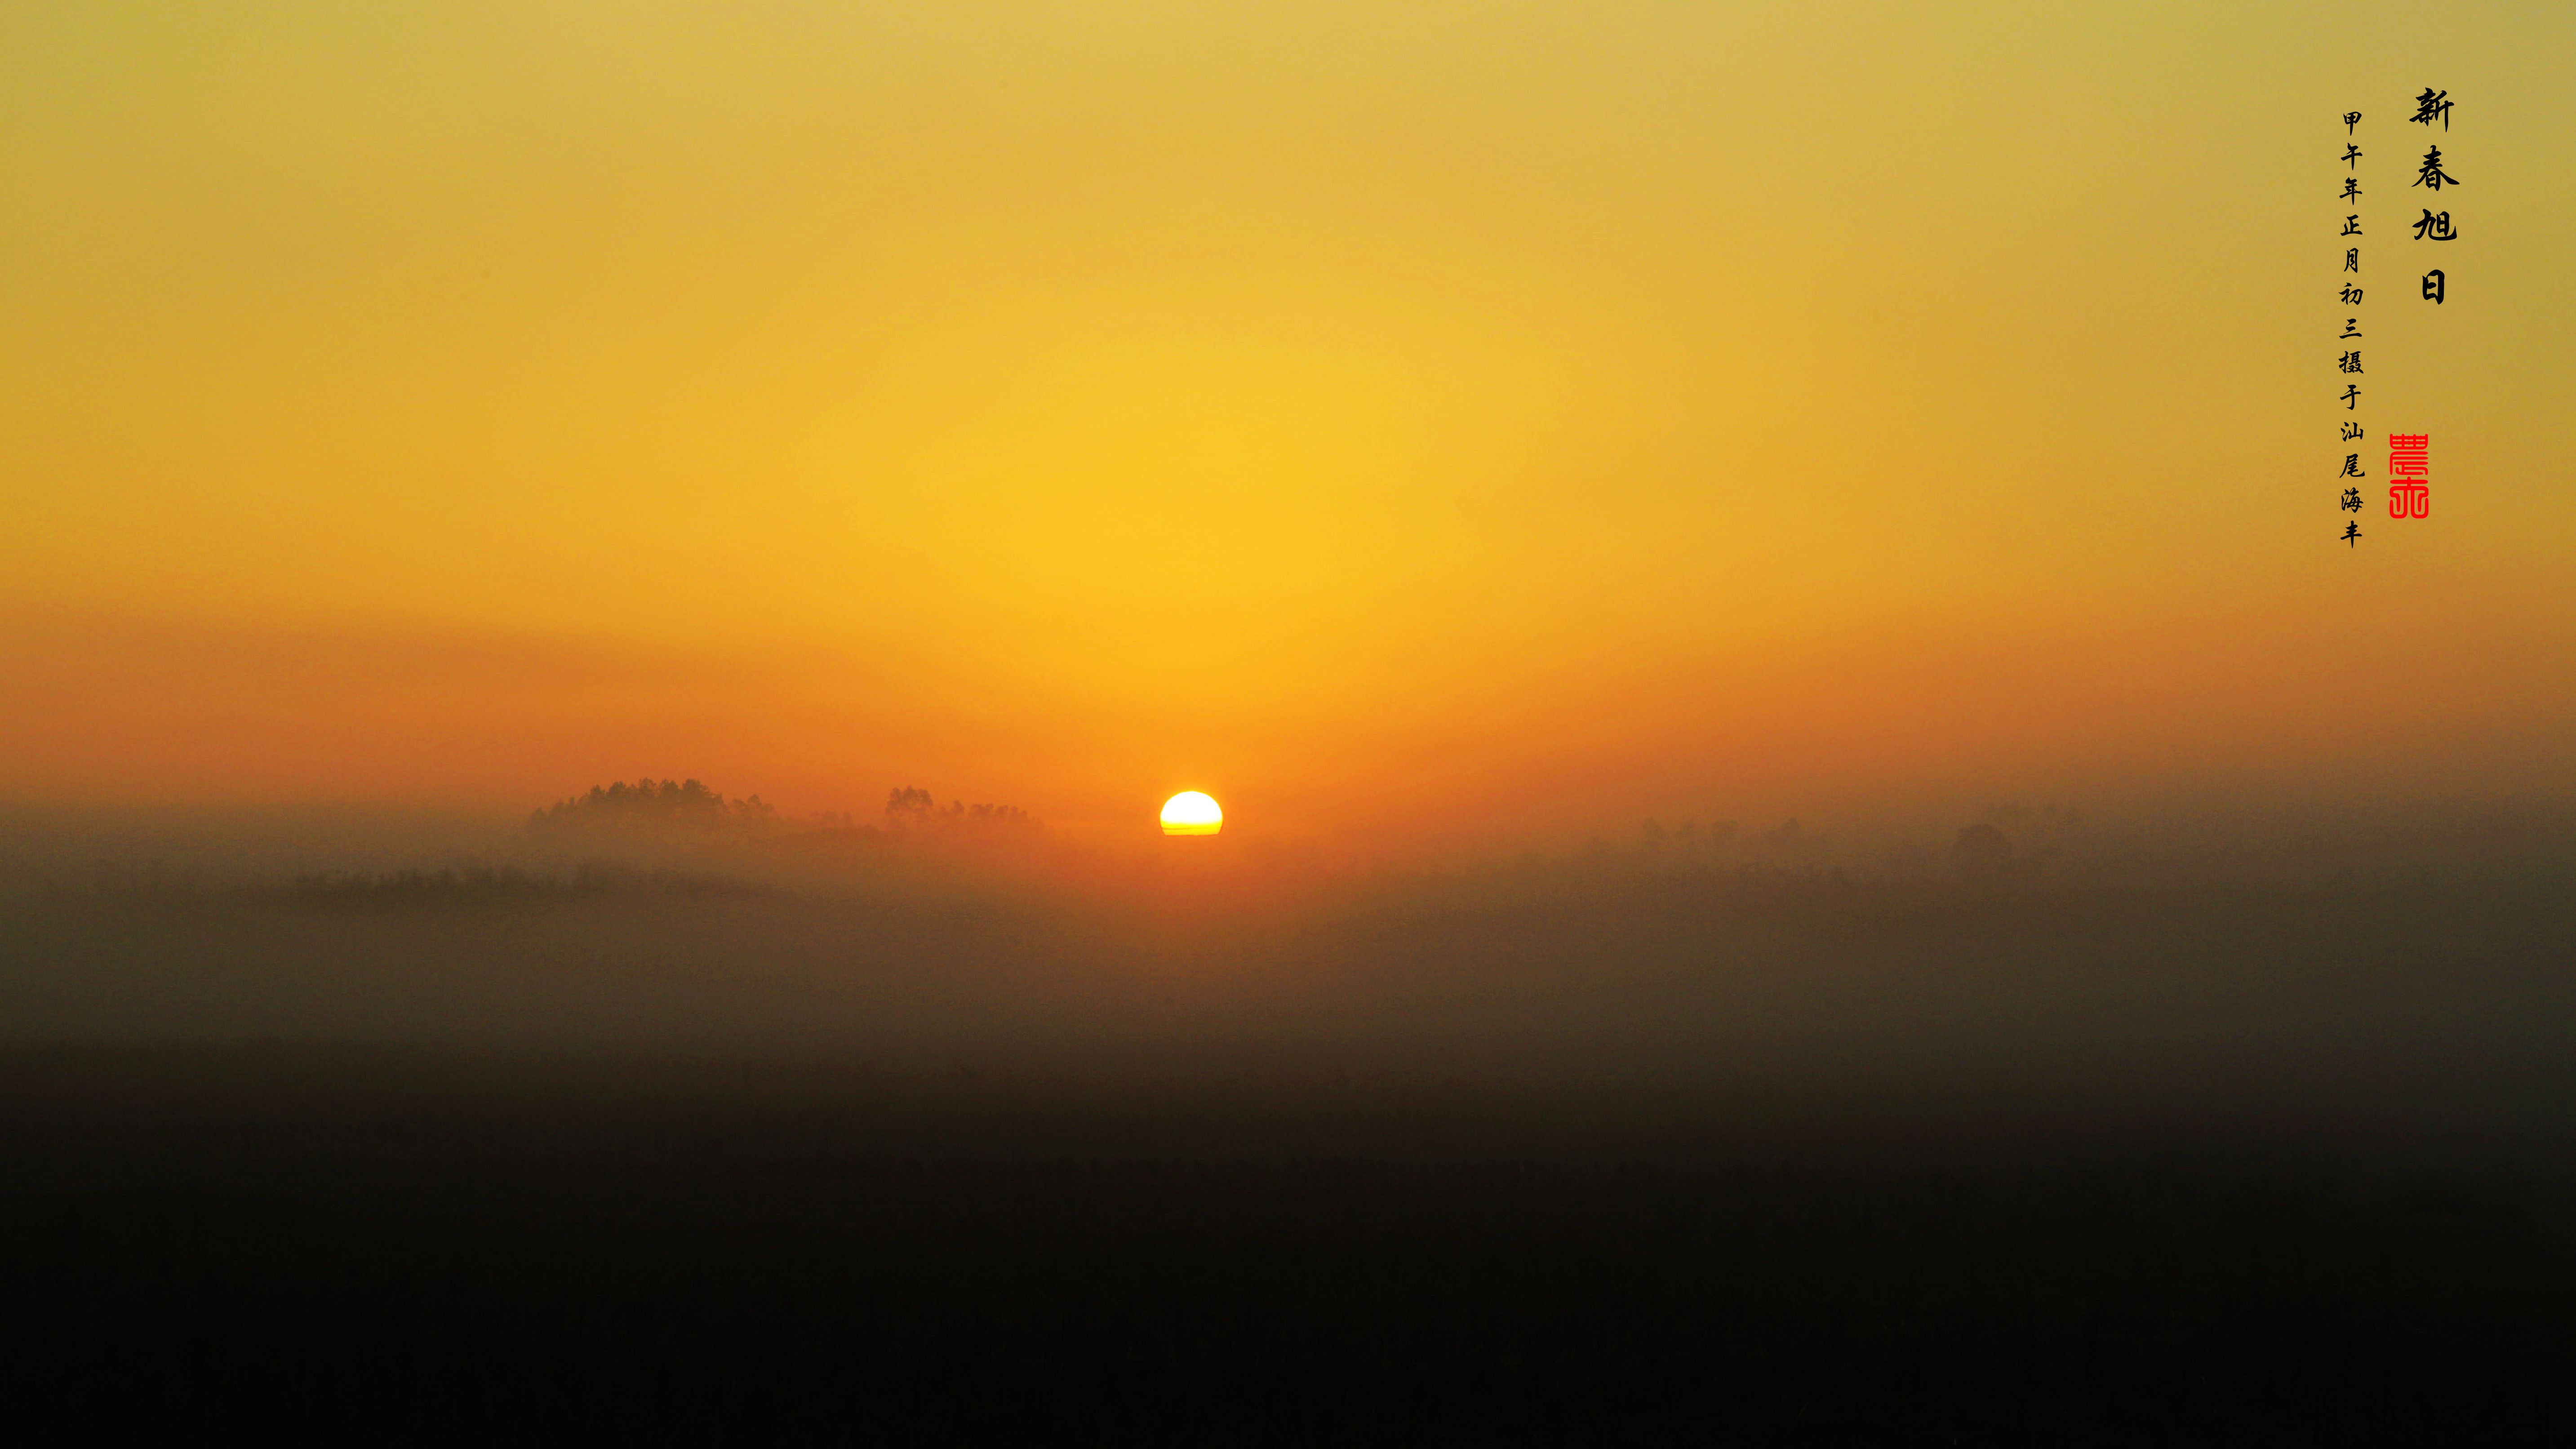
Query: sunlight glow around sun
[1191,813]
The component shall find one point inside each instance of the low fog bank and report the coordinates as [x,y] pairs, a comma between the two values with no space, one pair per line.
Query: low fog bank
[2031,1127]
[2392,971]
[691,829]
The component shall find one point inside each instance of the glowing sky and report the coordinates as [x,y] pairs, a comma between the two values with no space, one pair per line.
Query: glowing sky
[1478,413]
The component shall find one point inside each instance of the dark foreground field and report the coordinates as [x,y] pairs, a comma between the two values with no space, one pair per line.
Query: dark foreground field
[1579,1156]
[385,1247]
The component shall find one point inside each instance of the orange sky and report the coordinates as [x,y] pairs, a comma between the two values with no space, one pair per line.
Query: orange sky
[1499,416]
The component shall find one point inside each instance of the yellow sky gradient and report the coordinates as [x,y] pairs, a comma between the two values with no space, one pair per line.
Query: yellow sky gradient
[1504,416]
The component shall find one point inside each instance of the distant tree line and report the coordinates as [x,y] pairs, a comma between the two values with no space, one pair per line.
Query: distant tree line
[689,807]
[648,806]
[488,885]
[1981,853]
[907,806]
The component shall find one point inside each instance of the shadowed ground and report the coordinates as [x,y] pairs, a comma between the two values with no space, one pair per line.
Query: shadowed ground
[1562,1157]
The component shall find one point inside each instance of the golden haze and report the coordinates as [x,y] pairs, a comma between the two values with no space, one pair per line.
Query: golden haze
[1490,419]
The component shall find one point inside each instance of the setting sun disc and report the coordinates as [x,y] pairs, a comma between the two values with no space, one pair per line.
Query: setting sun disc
[1192,813]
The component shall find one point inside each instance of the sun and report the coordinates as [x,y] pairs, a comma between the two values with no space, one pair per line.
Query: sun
[1191,813]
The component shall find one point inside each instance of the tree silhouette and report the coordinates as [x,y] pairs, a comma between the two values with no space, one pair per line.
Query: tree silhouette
[652,807]
[908,806]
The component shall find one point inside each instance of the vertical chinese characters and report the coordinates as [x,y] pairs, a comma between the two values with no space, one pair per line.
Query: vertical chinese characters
[2349,362]
[2409,454]
[2434,105]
